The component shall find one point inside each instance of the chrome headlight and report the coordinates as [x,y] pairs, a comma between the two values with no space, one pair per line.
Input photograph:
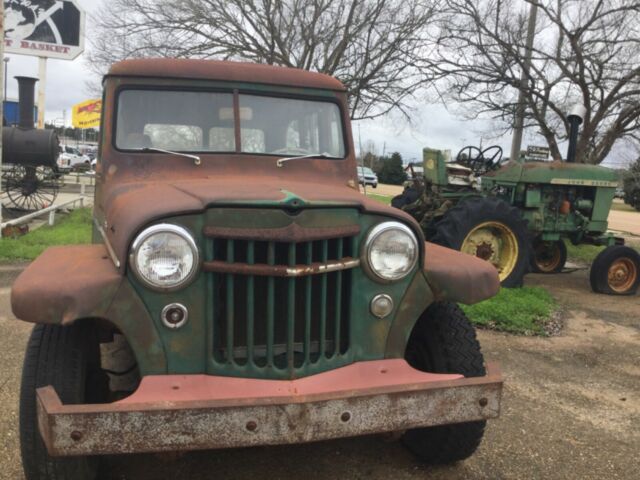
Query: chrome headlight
[164,257]
[391,250]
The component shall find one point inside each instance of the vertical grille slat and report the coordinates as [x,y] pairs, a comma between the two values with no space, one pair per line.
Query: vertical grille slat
[230,304]
[250,302]
[281,324]
[271,260]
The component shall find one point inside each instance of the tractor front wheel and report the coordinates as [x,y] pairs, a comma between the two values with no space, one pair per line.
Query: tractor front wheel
[549,257]
[490,229]
[616,271]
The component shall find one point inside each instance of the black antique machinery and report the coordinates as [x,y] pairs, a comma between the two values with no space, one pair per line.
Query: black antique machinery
[30,178]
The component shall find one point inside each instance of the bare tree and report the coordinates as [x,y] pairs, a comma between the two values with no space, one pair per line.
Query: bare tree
[373,46]
[585,51]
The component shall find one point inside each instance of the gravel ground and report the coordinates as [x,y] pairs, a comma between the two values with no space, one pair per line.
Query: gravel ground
[571,409]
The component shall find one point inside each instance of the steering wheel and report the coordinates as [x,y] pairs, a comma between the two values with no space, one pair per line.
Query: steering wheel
[492,157]
[292,151]
[468,155]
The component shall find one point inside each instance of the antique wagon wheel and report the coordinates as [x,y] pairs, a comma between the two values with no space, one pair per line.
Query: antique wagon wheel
[29,188]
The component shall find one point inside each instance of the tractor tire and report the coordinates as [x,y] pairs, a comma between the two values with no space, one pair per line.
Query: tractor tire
[407,197]
[57,356]
[444,341]
[491,229]
[548,257]
[616,271]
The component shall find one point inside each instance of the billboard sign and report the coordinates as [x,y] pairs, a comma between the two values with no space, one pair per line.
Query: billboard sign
[87,114]
[44,28]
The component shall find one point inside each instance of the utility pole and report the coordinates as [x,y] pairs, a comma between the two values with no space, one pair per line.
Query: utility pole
[516,142]
[42,74]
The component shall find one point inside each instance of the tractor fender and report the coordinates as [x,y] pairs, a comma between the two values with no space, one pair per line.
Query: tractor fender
[71,283]
[458,277]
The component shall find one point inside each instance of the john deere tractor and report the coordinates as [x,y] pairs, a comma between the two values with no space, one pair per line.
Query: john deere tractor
[516,215]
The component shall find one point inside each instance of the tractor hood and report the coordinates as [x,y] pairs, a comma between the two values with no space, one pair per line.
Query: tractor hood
[128,207]
[559,173]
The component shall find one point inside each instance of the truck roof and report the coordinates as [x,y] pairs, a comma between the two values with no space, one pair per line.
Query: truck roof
[223,71]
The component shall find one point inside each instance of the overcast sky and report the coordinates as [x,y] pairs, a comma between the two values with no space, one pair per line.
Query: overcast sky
[431,125]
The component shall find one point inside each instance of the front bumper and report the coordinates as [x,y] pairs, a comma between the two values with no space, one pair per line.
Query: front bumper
[191,412]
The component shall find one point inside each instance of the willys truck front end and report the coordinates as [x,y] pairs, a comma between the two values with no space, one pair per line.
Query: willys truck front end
[240,290]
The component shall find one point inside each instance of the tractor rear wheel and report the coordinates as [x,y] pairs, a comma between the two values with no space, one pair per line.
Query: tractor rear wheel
[444,341]
[549,257]
[490,229]
[616,271]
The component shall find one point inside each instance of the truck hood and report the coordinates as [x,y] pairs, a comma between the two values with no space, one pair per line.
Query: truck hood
[125,209]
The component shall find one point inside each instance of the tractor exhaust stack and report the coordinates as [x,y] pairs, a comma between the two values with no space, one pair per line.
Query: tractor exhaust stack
[576,116]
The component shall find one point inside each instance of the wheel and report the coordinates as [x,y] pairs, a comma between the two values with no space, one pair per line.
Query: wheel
[407,197]
[549,257]
[29,188]
[490,229]
[375,185]
[64,357]
[444,341]
[616,271]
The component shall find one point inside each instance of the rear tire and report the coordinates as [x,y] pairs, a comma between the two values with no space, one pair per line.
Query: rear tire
[549,257]
[616,271]
[407,197]
[491,229]
[444,341]
[60,357]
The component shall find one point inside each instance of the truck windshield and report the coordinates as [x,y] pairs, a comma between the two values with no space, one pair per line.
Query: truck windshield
[195,121]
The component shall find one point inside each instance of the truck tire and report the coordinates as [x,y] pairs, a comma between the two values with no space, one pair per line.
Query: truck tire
[57,356]
[491,229]
[616,271]
[548,257]
[444,341]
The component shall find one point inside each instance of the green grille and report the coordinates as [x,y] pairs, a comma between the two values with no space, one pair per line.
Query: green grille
[280,323]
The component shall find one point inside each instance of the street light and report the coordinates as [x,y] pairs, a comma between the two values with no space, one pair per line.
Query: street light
[6,75]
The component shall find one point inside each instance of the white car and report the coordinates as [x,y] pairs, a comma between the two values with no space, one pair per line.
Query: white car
[366,176]
[70,158]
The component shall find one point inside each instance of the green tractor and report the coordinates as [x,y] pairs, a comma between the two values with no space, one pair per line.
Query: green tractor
[516,215]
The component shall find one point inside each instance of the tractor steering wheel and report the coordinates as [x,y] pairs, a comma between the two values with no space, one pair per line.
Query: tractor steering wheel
[492,157]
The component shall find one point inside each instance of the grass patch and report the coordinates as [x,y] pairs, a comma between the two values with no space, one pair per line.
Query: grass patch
[583,253]
[525,310]
[622,207]
[386,199]
[72,229]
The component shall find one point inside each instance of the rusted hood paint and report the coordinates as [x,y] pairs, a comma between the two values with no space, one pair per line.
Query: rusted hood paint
[458,277]
[64,284]
[131,206]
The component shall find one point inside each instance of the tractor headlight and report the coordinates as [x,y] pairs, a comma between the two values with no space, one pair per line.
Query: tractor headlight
[391,250]
[164,257]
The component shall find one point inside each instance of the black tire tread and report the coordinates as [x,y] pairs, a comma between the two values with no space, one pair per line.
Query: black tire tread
[451,230]
[54,356]
[452,347]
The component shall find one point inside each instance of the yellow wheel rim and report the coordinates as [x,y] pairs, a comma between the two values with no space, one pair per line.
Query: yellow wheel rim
[495,243]
[622,275]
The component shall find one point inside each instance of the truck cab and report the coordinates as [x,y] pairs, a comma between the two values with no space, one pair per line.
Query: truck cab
[240,290]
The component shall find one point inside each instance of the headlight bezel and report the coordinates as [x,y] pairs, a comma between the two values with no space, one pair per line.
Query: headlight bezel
[374,233]
[182,232]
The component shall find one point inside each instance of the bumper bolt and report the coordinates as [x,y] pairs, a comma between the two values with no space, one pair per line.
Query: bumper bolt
[252,426]
[76,436]
[483,402]
[345,417]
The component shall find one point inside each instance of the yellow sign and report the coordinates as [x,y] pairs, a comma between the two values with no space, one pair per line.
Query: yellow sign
[87,114]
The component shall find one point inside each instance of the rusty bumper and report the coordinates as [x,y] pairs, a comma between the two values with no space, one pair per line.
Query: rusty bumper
[191,412]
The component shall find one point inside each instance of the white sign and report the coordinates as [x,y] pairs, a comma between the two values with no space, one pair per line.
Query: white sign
[44,28]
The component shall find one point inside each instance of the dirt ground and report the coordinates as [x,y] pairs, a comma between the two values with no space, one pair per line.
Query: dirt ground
[571,409]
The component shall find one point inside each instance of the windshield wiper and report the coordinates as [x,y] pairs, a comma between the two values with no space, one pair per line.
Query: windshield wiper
[281,161]
[195,158]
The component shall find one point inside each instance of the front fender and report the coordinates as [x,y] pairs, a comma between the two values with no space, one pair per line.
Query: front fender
[71,283]
[458,277]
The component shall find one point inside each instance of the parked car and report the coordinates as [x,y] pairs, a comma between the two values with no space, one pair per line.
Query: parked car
[366,176]
[71,159]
